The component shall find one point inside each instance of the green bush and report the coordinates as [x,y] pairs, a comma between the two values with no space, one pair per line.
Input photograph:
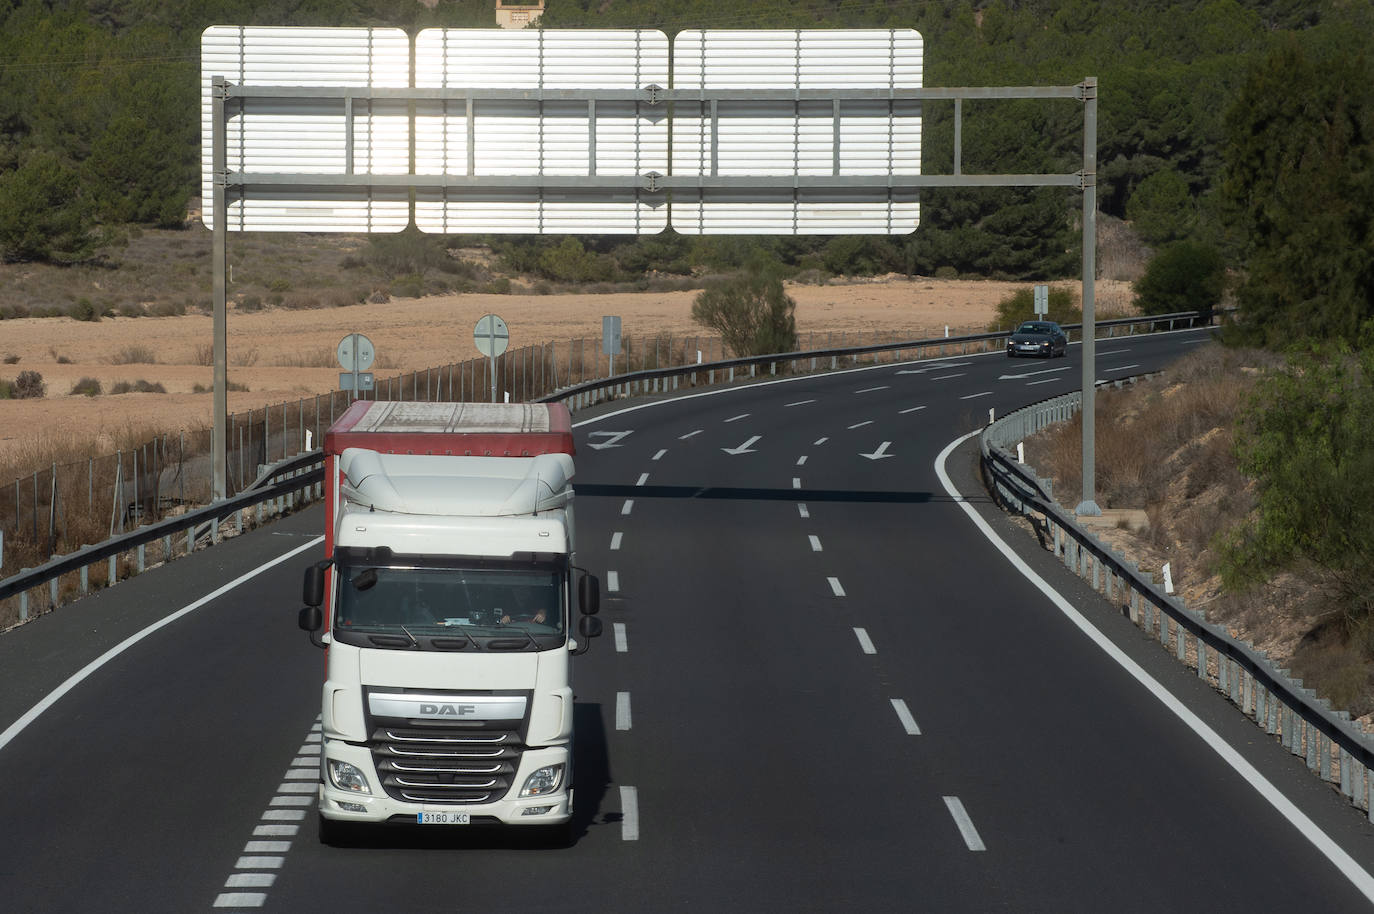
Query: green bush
[1185,276]
[137,387]
[85,310]
[250,303]
[29,386]
[750,311]
[1020,306]
[88,386]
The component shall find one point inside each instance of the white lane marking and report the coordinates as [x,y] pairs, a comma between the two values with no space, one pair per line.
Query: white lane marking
[643,478]
[622,643]
[291,801]
[627,507]
[745,448]
[801,461]
[250,881]
[880,452]
[1118,351]
[613,581]
[796,482]
[1120,368]
[903,412]
[815,542]
[659,455]
[622,710]
[240,899]
[613,438]
[798,403]
[629,814]
[284,815]
[860,424]
[803,510]
[295,787]
[835,586]
[865,642]
[615,540]
[682,437]
[737,418]
[869,390]
[259,863]
[819,441]
[1333,852]
[1046,381]
[80,675]
[267,847]
[904,715]
[961,819]
[303,774]
[986,393]
[276,831]
[1030,374]
[946,377]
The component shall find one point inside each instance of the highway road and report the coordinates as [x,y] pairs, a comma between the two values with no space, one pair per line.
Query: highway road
[821,688]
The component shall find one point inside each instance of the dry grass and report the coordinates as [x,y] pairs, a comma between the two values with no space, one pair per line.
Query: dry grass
[133,355]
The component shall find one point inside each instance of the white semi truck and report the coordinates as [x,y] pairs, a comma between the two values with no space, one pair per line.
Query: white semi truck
[445,604]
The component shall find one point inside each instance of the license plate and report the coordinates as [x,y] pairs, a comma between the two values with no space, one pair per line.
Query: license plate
[443,817]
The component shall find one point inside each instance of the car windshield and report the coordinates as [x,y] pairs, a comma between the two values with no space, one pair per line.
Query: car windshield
[454,602]
[1035,327]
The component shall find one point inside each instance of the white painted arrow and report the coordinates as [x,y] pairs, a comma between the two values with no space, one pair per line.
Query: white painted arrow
[1031,374]
[612,439]
[880,453]
[743,448]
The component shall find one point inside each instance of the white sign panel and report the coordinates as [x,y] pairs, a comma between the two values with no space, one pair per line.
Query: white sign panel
[874,137]
[307,136]
[532,138]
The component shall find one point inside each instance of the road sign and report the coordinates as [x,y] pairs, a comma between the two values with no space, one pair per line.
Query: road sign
[610,335]
[356,352]
[356,381]
[491,335]
[1042,300]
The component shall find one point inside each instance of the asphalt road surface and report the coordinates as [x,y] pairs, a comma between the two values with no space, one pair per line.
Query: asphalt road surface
[821,688]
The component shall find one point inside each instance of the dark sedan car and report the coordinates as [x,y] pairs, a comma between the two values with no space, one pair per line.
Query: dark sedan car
[1038,338]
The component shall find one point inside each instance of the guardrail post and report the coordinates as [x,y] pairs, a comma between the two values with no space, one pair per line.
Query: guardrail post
[24,603]
[85,579]
[1201,658]
[112,571]
[1180,643]
[142,557]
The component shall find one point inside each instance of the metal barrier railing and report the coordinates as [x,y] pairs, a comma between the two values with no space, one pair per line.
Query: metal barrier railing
[1333,747]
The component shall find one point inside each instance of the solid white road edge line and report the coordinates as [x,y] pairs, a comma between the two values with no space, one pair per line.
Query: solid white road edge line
[961,819]
[80,675]
[1349,868]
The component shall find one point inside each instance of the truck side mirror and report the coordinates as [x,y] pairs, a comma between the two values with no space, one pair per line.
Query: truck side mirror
[589,627]
[312,592]
[310,619]
[589,594]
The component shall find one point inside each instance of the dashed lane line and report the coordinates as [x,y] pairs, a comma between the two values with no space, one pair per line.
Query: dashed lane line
[865,642]
[615,540]
[904,715]
[803,510]
[903,412]
[627,507]
[643,478]
[659,455]
[797,403]
[737,418]
[622,641]
[801,461]
[629,813]
[815,542]
[688,435]
[869,390]
[986,393]
[612,582]
[819,441]
[622,710]
[860,424]
[835,586]
[796,482]
[961,819]
[946,377]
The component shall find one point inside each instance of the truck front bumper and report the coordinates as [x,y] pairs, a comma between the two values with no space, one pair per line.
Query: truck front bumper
[377,807]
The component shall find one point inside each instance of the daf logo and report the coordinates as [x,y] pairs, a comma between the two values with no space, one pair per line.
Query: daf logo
[447,710]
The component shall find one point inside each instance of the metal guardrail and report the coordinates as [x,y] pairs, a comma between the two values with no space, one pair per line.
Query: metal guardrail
[306,470]
[589,393]
[277,487]
[1277,702]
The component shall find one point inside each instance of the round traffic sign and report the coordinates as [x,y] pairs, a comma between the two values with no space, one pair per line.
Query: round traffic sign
[491,335]
[355,345]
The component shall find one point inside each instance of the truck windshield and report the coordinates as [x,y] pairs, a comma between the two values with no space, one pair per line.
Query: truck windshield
[522,605]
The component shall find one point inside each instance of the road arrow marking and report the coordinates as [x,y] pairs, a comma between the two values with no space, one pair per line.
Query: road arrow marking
[1031,374]
[743,448]
[612,439]
[880,453]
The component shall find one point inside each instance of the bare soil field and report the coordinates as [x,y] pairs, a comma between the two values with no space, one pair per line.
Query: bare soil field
[283,354]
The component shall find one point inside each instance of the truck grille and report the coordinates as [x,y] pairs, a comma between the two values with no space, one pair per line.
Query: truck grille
[446,764]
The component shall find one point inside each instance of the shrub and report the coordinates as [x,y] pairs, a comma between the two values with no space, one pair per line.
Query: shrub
[279,285]
[250,303]
[1020,306]
[6,389]
[29,386]
[750,311]
[1186,276]
[137,387]
[11,359]
[88,386]
[85,310]
[130,309]
[411,286]
[135,354]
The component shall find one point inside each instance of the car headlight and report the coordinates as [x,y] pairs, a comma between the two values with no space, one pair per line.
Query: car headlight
[544,781]
[347,777]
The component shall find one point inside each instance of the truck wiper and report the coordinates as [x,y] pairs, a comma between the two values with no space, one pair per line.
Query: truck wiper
[501,644]
[413,642]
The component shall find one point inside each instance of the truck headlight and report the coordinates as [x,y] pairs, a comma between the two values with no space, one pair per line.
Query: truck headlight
[545,780]
[347,777]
